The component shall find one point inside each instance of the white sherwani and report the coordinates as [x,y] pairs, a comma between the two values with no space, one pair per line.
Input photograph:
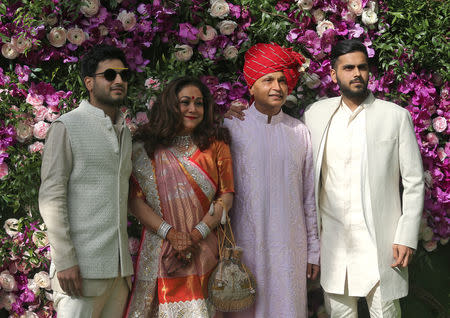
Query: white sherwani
[273,215]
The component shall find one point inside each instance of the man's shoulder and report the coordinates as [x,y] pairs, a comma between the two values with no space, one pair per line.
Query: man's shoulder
[389,106]
[320,104]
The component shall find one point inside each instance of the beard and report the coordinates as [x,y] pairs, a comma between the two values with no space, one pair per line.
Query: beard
[106,99]
[348,92]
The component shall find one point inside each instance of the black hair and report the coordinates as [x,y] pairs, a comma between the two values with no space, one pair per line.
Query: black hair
[347,46]
[97,54]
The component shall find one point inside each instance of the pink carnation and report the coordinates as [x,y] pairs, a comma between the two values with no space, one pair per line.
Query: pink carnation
[39,112]
[432,139]
[141,118]
[40,129]
[440,124]
[35,100]
[36,146]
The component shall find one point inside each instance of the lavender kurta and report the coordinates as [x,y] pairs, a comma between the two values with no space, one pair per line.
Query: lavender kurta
[274,216]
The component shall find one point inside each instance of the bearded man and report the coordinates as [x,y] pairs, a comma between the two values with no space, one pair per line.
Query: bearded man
[363,149]
[274,216]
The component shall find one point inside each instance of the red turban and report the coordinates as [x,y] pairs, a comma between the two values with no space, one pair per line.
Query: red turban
[262,59]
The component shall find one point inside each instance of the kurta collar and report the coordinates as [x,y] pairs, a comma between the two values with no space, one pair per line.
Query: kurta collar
[263,117]
[99,112]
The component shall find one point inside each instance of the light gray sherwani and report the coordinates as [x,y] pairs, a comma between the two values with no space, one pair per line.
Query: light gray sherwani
[393,157]
[85,205]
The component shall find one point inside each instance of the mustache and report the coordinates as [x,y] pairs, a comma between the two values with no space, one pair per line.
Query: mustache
[118,86]
[357,80]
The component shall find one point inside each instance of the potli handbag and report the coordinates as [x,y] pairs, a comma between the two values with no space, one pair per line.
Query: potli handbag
[231,286]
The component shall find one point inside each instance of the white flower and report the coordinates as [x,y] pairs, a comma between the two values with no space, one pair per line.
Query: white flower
[33,286]
[319,15]
[40,129]
[40,238]
[323,26]
[128,20]
[439,124]
[7,282]
[430,246]
[208,34]
[24,131]
[21,43]
[372,5]
[90,7]
[219,9]
[103,30]
[444,241]
[369,17]
[355,6]
[227,27]
[312,80]
[9,51]
[305,4]
[184,52]
[291,101]
[57,36]
[76,36]
[42,280]
[29,314]
[230,52]
[11,226]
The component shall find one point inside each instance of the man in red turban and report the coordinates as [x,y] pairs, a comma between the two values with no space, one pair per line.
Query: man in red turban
[274,216]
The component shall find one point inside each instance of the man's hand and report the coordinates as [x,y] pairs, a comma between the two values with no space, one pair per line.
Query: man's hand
[70,281]
[180,241]
[312,271]
[402,255]
[235,111]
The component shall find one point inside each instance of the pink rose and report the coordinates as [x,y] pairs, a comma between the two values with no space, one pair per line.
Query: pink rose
[52,114]
[7,281]
[439,124]
[355,6]
[36,146]
[6,300]
[323,26]
[90,7]
[4,171]
[432,139]
[39,113]
[57,36]
[230,52]
[184,52]
[76,36]
[208,34]
[152,83]
[40,129]
[133,245]
[24,130]
[141,118]
[35,100]
[9,51]
[318,15]
[128,20]
[441,153]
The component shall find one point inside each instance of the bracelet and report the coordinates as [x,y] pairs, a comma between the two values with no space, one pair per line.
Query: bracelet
[203,228]
[163,229]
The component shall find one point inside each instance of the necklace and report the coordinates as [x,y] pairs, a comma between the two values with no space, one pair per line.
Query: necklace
[183,143]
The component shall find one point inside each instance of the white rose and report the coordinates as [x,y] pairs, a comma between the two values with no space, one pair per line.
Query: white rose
[230,52]
[312,80]
[42,280]
[24,131]
[227,27]
[57,36]
[429,246]
[319,15]
[33,286]
[7,282]
[76,36]
[90,7]
[21,43]
[128,20]
[305,4]
[103,30]
[9,51]
[29,314]
[208,34]
[219,9]
[11,226]
[369,17]
[184,52]
[323,26]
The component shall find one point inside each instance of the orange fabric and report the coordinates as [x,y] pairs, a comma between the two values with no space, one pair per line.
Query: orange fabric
[182,288]
[216,162]
[135,190]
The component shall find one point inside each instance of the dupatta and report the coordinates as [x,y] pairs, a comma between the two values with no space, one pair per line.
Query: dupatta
[181,192]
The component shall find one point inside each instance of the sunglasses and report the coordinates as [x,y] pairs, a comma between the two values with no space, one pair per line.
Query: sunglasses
[110,74]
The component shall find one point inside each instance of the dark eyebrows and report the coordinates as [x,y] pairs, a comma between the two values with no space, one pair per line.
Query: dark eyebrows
[353,65]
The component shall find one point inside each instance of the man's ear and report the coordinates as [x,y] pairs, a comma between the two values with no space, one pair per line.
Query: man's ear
[333,75]
[251,90]
[89,83]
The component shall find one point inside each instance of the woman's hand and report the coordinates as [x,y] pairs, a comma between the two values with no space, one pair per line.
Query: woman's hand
[196,236]
[180,241]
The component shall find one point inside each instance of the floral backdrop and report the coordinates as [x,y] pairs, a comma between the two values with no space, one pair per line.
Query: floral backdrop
[42,41]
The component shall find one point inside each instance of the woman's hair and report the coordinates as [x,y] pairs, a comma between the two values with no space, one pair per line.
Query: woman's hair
[165,119]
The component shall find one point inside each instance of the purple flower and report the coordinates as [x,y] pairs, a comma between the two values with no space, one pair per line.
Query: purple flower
[207,51]
[23,73]
[187,31]
[311,41]
[356,31]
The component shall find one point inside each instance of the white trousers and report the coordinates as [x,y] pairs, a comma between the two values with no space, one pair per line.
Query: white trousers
[110,304]
[343,306]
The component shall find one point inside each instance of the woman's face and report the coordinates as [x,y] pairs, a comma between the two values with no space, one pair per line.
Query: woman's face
[190,101]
